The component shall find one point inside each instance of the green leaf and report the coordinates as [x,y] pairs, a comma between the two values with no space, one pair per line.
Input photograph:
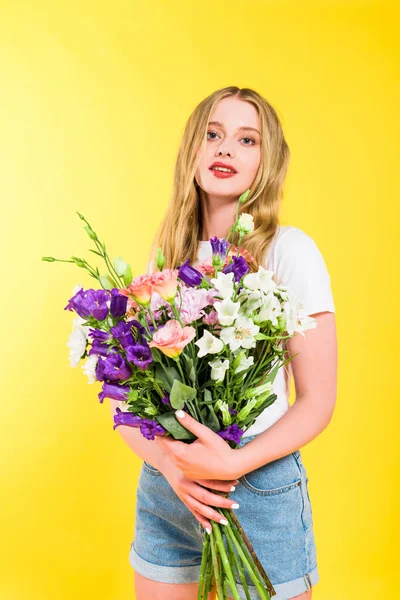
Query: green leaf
[171,424]
[211,420]
[180,393]
[95,252]
[190,368]
[166,379]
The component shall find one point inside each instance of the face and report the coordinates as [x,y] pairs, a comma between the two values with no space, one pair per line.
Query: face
[230,141]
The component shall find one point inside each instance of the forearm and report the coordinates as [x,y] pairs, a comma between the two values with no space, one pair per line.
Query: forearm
[147,450]
[302,422]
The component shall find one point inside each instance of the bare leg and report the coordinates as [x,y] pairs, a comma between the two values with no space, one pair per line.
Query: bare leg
[148,588]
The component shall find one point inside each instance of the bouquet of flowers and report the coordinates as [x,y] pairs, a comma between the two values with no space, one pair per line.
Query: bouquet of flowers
[209,340]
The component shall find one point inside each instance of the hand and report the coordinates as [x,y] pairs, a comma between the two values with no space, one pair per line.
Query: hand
[208,457]
[195,496]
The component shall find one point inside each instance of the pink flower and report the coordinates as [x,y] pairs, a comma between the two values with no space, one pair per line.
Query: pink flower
[165,282]
[140,289]
[211,318]
[172,338]
[193,302]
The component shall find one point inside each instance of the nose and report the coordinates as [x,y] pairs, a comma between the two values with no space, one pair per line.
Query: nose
[223,151]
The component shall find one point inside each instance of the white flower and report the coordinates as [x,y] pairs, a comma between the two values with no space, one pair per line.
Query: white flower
[77,341]
[208,344]
[245,363]
[262,280]
[224,408]
[245,223]
[227,311]
[89,367]
[218,369]
[223,284]
[296,319]
[271,309]
[254,300]
[241,334]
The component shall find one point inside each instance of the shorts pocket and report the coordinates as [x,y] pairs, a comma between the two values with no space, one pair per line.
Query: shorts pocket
[277,477]
[150,469]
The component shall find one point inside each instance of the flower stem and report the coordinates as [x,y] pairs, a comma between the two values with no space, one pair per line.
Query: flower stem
[240,534]
[239,566]
[225,562]
[264,595]
[215,561]
[202,590]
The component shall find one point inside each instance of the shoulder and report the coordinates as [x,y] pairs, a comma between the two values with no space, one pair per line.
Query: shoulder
[298,263]
[290,238]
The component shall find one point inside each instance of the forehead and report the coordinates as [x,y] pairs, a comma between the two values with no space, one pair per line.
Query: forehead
[232,114]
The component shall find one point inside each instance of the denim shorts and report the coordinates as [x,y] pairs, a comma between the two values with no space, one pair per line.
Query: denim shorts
[275,513]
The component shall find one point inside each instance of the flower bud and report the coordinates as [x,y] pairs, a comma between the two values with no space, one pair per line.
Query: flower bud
[107,282]
[160,259]
[78,261]
[120,266]
[90,232]
[244,196]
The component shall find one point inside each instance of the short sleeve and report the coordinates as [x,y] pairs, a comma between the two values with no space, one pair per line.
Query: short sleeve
[299,265]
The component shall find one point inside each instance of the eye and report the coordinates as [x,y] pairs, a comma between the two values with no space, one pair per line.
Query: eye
[212,132]
[245,138]
[248,138]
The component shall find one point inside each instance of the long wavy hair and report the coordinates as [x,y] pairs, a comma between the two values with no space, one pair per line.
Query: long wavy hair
[181,228]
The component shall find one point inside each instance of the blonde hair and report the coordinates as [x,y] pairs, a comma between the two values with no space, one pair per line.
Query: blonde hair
[181,228]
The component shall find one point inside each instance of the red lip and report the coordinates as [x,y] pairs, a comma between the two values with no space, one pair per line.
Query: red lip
[220,164]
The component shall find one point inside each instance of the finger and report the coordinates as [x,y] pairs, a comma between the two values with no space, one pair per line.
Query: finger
[211,499]
[199,430]
[206,524]
[218,484]
[207,511]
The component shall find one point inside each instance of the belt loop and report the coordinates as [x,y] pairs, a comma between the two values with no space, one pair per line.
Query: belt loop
[308,581]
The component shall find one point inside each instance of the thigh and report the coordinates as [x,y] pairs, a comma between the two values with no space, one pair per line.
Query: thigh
[146,588]
[275,513]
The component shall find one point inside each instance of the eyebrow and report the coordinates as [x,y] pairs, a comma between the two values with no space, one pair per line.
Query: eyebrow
[240,128]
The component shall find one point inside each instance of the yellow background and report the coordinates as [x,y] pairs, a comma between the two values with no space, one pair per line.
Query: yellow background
[94,97]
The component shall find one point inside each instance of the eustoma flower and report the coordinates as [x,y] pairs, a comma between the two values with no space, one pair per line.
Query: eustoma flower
[172,338]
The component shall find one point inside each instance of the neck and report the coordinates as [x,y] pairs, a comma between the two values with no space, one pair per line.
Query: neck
[218,215]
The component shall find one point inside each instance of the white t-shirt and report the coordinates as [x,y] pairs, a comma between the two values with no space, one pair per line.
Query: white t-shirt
[297,263]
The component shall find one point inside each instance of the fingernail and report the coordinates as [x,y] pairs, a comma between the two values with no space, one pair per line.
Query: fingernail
[208,530]
[233,488]
[224,522]
[179,413]
[236,505]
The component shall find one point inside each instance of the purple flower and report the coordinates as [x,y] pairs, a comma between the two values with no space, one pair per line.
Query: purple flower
[122,333]
[189,274]
[115,368]
[165,400]
[149,429]
[98,345]
[219,246]
[140,355]
[114,391]
[118,303]
[231,433]
[232,411]
[90,303]
[126,418]
[141,328]
[239,267]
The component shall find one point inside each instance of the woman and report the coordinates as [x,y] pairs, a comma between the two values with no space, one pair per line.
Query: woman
[233,141]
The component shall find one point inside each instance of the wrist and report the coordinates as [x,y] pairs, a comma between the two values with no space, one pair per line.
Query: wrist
[241,466]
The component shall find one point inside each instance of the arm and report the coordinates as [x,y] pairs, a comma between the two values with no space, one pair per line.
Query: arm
[315,375]
[146,449]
